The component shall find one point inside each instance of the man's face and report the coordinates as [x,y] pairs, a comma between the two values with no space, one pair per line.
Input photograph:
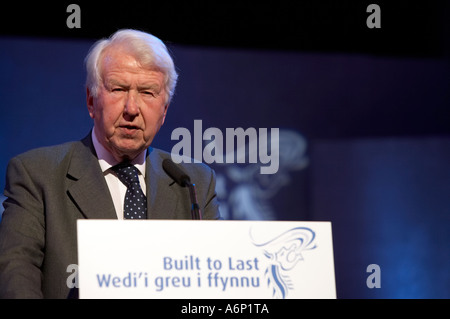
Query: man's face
[130,106]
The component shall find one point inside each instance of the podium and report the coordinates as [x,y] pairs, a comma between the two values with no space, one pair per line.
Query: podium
[202,259]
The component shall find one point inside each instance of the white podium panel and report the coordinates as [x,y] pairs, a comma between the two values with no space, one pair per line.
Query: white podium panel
[175,259]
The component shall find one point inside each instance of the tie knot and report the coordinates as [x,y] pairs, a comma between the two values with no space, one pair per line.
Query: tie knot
[127,173]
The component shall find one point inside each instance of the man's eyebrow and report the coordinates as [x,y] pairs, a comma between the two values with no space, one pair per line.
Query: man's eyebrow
[145,86]
[116,82]
[149,86]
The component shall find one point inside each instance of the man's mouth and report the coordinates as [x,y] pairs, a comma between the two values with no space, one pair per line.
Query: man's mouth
[129,129]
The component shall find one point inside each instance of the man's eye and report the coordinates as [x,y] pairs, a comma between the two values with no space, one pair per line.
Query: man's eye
[118,90]
[149,93]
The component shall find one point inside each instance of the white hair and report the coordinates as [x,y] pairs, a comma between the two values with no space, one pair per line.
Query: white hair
[147,49]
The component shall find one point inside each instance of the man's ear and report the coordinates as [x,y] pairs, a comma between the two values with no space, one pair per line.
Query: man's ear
[165,113]
[90,102]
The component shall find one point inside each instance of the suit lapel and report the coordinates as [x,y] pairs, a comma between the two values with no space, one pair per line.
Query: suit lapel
[90,193]
[161,199]
[89,190]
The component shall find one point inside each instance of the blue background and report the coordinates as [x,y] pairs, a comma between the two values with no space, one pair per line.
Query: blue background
[371,132]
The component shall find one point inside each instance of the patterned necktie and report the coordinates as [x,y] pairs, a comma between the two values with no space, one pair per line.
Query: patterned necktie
[135,203]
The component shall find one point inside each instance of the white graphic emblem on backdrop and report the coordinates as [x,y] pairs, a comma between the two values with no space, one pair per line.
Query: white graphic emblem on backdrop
[245,194]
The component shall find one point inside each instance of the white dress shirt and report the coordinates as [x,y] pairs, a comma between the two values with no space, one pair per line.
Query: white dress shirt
[116,187]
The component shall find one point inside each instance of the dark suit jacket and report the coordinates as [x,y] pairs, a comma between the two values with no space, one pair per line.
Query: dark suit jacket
[49,188]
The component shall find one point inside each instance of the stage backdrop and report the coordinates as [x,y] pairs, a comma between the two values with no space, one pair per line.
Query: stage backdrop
[363,143]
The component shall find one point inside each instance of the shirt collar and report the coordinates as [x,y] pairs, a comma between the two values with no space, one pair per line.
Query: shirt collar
[106,160]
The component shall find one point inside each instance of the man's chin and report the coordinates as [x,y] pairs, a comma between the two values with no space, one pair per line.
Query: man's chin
[127,151]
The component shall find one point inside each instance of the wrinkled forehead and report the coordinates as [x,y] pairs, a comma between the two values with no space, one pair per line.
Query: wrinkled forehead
[121,56]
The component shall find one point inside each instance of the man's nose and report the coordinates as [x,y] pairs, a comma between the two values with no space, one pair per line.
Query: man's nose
[131,104]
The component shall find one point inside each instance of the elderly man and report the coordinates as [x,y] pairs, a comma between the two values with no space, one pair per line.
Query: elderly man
[130,82]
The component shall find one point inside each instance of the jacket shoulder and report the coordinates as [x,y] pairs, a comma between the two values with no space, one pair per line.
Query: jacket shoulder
[48,156]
